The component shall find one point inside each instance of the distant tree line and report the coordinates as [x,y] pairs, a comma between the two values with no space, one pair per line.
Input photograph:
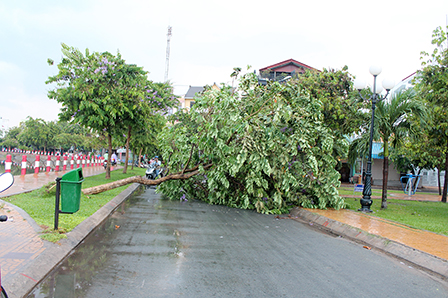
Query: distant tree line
[49,136]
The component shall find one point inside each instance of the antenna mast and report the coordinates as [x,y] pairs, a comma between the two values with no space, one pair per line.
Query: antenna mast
[167,63]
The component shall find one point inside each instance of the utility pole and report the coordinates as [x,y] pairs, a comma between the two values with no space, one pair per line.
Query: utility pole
[167,63]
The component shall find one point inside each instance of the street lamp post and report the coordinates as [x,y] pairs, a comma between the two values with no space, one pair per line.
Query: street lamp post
[366,200]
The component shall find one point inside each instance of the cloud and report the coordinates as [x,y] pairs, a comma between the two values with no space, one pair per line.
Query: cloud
[209,39]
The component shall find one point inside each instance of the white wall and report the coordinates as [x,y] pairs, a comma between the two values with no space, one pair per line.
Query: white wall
[377,173]
[429,178]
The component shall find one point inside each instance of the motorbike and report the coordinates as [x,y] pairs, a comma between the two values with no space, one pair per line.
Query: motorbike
[151,171]
[113,163]
[6,180]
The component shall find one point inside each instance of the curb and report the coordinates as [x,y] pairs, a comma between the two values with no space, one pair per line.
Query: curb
[22,284]
[418,258]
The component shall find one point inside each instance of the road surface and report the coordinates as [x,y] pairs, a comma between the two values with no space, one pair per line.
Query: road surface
[159,248]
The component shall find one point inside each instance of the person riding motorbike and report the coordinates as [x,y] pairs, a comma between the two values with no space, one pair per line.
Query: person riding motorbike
[153,168]
[158,163]
[113,158]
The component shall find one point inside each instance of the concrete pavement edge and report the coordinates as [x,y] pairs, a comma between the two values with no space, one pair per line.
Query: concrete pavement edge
[417,258]
[22,284]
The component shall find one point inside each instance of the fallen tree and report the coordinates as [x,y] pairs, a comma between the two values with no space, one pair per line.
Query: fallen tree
[271,146]
[268,148]
[139,179]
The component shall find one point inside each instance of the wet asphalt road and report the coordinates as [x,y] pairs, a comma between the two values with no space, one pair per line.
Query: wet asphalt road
[159,248]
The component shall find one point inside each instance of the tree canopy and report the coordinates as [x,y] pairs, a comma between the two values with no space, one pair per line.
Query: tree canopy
[432,82]
[100,91]
[264,147]
[392,126]
[38,134]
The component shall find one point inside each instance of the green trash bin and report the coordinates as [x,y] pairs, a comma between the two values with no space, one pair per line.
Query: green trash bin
[71,191]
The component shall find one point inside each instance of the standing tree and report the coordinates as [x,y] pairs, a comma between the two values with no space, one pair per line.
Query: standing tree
[11,140]
[36,133]
[97,90]
[392,127]
[418,153]
[342,113]
[333,88]
[149,115]
[432,82]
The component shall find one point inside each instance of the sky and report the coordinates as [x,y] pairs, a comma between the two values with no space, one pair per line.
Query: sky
[209,38]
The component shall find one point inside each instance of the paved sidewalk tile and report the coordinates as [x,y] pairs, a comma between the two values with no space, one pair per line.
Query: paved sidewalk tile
[20,243]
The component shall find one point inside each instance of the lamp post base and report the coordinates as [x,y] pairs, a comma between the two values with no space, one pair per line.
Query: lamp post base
[365,205]
[365,209]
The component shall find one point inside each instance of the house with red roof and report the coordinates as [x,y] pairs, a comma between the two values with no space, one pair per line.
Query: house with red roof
[282,70]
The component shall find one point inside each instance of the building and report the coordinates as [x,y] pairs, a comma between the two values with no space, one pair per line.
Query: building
[187,101]
[282,70]
[377,168]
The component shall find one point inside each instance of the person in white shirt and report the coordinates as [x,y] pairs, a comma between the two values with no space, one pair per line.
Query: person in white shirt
[158,163]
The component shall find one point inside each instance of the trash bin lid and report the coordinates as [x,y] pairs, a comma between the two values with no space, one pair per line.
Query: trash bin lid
[74,175]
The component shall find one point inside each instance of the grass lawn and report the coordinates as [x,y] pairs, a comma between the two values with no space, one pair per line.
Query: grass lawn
[348,191]
[430,216]
[39,204]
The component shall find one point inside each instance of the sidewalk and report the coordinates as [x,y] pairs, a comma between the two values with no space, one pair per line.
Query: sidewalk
[25,258]
[20,243]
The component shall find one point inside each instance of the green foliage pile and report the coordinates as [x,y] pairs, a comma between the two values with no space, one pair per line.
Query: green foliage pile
[268,147]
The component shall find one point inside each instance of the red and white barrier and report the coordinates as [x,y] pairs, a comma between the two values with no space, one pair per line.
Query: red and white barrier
[83,161]
[23,172]
[78,162]
[48,163]
[36,164]
[64,164]
[8,163]
[58,163]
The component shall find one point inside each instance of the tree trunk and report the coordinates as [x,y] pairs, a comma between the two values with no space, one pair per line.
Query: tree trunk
[438,181]
[385,178]
[127,151]
[133,158]
[138,179]
[109,140]
[445,184]
[139,158]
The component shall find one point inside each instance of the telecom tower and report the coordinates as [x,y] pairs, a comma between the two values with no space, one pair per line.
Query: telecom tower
[167,63]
